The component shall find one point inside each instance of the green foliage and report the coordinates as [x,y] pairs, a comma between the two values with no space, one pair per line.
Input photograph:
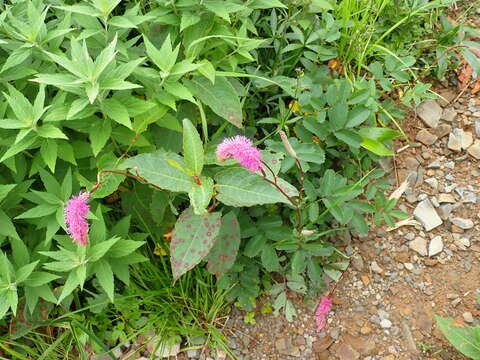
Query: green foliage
[465,339]
[153,87]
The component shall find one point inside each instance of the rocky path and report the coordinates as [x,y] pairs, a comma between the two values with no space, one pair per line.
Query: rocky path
[385,304]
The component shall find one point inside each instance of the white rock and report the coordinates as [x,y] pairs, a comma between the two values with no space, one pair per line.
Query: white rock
[426,214]
[459,139]
[468,317]
[436,246]
[385,323]
[446,198]
[419,245]
[408,266]
[432,182]
[464,224]
[167,350]
[474,150]
[449,114]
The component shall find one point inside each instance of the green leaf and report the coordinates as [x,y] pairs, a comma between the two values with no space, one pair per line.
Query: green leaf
[104,274]
[192,239]
[38,211]
[338,115]
[221,97]
[465,339]
[239,187]
[164,58]
[269,258]
[192,148]
[92,89]
[157,169]
[39,278]
[5,189]
[124,247]
[378,133]
[317,6]
[357,116]
[98,251]
[49,151]
[50,131]
[376,147]
[266,4]
[68,287]
[224,252]
[116,111]
[7,228]
[99,136]
[200,195]
[24,272]
[178,90]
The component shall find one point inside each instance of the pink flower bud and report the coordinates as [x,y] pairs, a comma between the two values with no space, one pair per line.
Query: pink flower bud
[322,312]
[75,214]
[241,149]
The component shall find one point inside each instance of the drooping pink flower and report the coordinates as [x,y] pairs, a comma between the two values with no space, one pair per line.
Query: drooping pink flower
[75,214]
[321,314]
[241,149]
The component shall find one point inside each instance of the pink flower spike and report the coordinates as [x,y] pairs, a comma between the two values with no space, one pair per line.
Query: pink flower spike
[75,217]
[322,312]
[241,149]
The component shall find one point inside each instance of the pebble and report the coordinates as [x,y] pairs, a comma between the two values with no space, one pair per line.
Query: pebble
[444,211]
[376,268]
[432,182]
[426,214]
[408,266]
[464,224]
[434,164]
[443,130]
[425,137]
[436,246]
[449,114]
[459,140]
[446,198]
[419,245]
[430,112]
[468,317]
[385,323]
[474,150]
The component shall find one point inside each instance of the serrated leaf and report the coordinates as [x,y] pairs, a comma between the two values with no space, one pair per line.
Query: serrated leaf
[200,195]
[155,169]
[239,187]
[192,239]
[49,151]
[224,252]
[124,248]
[116,111]
[376,147]
[5,189]
[192,148]
[50,131]
[99,136]
[221,97]
[39,278]
[38,211]
[269,258]
[68,287]
[99,250]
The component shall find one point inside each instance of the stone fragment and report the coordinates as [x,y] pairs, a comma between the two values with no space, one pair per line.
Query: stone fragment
[432,182]
[365,330]
[323,344]
[411,163]
[443,130]
[468,317]
[464,224]
[434,164]
[449,114]
[436,246]
[474,150]
[408,266]
[425,137]
[166,350]
[444,211]
[376,268]
[419,245]
[477,127]
[459,140]
[430,112]
[346,352]
[426,214]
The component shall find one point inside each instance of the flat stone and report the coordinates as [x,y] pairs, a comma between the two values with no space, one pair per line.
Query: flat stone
[167,350]
[436,246]
[446,198]
[449,114]
[474,150]
[477,127]
[434,164]
[411,163]
[408,266]
[426,214]
[430,112]
[432,182]
[444,211]
[323,344]
[468,317]
[459,140]
[376,268]
[464,224]
[425,137]
[419,245]
[443,130]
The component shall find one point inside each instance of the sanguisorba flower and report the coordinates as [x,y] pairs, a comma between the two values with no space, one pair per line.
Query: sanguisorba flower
[75,213]
[321,314]
[241,149]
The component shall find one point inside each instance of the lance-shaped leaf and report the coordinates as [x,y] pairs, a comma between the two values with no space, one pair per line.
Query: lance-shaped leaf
[200,195]
[239,187]
[192,239]
[465,339]
[162,169]
[192,148]
[224,252]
